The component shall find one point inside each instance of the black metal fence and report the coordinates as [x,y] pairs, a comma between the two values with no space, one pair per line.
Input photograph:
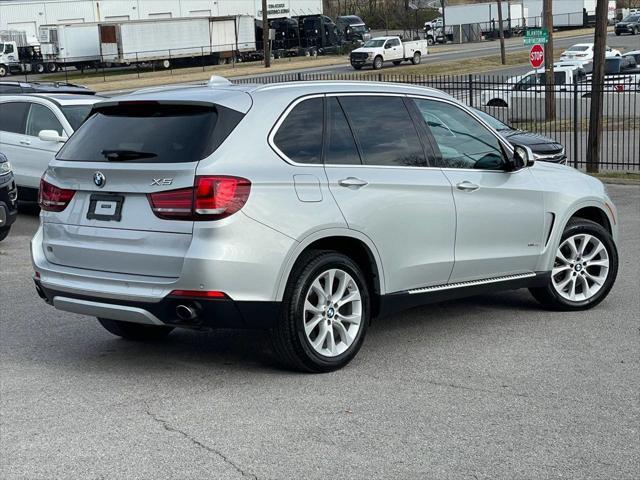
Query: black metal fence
[520,103]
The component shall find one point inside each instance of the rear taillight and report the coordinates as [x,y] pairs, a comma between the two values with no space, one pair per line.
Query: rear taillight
[52,198]
[211,198]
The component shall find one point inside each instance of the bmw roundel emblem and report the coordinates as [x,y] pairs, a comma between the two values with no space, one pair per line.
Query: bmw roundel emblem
[99,179]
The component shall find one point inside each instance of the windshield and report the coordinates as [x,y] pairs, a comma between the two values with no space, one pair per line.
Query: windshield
[150,132]
[578,48]
[357,28]
[631,18]
[76,114]
[374,43]
[492,121]
[1,47]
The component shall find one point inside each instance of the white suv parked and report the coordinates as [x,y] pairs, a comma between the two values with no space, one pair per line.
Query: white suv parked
[34,127]
[307,209]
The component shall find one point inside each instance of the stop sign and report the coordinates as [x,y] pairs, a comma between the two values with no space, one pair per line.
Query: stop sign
[536,56]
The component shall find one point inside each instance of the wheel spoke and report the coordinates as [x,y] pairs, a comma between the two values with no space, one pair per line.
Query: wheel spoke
[586,239]
[571,243]
[572,288]
[596,251]
[351,318]
[564,283]
[344,333]
[557,270]
[313,323]
[343,282]
[328,283]
[309,307]
[560,256]
[316,287]
[331,341]
[598,263]
[322,335]
[350,297]
[599,279]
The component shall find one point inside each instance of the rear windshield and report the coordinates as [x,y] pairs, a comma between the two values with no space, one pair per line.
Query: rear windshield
[150,132]
[578,48]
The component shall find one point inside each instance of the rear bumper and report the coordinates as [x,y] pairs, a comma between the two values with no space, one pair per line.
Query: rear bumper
[210,313]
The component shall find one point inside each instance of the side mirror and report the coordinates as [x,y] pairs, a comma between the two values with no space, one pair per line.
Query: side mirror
[522,157]
[51,136]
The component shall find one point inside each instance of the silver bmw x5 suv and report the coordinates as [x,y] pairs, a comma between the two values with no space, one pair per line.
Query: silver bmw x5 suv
[307,210]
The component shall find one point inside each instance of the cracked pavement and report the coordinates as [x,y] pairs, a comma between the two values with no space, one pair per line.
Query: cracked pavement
[487,387]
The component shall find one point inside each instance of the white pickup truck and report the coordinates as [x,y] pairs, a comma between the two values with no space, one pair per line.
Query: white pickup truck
[388,49]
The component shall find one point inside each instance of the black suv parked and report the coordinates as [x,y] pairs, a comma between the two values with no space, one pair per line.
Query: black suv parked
[11,87]
[8,197]
[629,24]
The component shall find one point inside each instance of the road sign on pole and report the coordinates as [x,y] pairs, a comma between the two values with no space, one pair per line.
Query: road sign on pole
[536,36]
[536,56]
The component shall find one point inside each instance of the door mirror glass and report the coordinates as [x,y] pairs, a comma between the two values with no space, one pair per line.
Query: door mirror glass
[522,157]
[51,136]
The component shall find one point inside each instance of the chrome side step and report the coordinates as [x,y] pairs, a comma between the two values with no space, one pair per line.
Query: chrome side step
[471,283]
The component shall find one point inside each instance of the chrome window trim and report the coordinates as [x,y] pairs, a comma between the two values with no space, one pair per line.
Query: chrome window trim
[455,103]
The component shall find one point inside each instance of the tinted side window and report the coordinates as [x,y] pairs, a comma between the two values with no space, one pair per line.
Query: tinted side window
[300,135]
[10,89]
[41,118]
[341,147]
[462,140]
[385,131]
[12,116]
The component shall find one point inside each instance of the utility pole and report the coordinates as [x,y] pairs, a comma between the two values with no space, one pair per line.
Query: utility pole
[266,46]
[503,55]
[597,81]
[550,92]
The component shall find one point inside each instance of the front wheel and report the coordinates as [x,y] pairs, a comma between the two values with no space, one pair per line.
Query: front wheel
[4,232]
[416,58]
[584,270]
[135,331]
[325,313]
[3,71]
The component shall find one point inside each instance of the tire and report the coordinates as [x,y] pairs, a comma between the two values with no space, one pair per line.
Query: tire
[573,273]
[39,68]
[303,305]
[377,63]
[416,58]
[430,42]
[165,64]
[617,34]
[135,331]
[4,232]
[496,102]
[51,67]
[3,71]
[397,62]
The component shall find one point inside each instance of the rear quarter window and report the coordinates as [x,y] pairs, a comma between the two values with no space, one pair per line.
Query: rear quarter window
[151,133]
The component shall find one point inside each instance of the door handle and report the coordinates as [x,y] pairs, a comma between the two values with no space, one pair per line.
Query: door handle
[25,142]
[352,182]
[467,186]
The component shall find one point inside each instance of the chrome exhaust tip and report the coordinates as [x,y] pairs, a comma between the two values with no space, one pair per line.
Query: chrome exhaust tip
[186,312]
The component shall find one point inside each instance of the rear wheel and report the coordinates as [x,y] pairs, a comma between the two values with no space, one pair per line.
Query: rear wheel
[135,331]
[325,313]
[584,270]
[416,58]
[377,63]
[496,102]
[39,68]
[51,67]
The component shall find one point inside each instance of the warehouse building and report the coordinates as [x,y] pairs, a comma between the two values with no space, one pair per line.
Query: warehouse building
[28,15]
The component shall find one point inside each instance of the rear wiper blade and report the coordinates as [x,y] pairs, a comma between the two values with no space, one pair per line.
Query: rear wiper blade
[126,154]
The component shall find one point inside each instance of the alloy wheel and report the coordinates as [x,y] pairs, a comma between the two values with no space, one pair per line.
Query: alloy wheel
[332,312]
[581,267]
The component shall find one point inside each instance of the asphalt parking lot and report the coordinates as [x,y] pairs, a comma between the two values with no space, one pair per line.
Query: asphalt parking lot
[488,387]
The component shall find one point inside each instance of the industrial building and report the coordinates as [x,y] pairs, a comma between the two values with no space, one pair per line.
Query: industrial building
[28,15]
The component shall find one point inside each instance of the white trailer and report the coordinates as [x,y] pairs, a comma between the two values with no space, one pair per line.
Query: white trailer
[485,14]
[168,41]
[567,13]
[74,44]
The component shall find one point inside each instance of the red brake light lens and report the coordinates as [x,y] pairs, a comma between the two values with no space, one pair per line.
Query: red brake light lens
[198,294]
[52,198]
[212,198]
